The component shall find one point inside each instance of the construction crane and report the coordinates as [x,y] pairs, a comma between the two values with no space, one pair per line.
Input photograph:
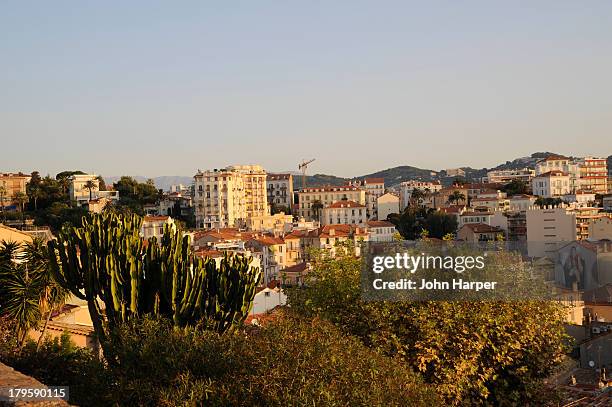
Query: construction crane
[303,167]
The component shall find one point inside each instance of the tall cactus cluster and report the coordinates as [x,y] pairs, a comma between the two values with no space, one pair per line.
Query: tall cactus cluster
[121,276]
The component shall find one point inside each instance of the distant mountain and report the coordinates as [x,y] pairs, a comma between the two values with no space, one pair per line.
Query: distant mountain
[395,175]
[392,176]
[163,182]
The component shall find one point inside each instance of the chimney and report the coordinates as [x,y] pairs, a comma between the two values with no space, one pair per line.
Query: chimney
[332,232]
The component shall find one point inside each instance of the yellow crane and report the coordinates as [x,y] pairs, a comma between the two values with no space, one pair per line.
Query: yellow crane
[302,167]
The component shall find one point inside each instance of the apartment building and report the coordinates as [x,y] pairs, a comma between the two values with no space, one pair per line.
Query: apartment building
[227,197]
[493,218]
[312,200]
[491,203]
[381,230]
[563,164]
[521,202]
[443,197]
[280,190]
[12,184]
[374,188]
[406,188]
[552,184]
[344,213]
[153,226]
[81,193]
[479,232]
[273,253]
[276,224]
[580,198]
[175,204]
[548,229]
[593,174]
[387,204]
[506,176]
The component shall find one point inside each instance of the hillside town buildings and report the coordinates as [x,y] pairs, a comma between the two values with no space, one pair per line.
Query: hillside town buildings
[505,176]
[312,200]
[228,197]
[280,190]
[344,213]
[81,193]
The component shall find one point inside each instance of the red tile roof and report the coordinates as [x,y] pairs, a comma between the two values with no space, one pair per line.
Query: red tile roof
[483,228]
[346,204]
[374,180]
[380,224]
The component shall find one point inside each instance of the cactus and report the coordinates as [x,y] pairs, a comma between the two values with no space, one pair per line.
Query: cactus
[107,262]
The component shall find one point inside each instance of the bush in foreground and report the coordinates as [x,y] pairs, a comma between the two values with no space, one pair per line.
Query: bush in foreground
[291,361]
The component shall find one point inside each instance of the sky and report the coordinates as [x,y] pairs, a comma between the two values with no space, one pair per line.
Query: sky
[166,88]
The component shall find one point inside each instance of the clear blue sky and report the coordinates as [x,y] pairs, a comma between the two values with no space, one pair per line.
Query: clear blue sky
[164,88]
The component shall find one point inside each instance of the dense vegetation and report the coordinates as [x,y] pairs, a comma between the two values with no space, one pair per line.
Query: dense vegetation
[414,221]
[291,361]
[487,352]
[47,199]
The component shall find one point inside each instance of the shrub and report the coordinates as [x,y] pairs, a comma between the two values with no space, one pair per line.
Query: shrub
[482,352]
[59,362]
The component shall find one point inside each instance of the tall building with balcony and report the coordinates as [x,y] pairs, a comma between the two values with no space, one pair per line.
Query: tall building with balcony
[551,184]
[594,175]
[374,188]
[229,196]
[280,190]
[311,201]
[562,164]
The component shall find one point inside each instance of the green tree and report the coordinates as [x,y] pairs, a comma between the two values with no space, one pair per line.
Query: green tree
[477,352]
[456,197]
[105,261]
[516,187]
[416,196]
[2,195]
[21,199]
[27,289]
[316,207]
[90,186]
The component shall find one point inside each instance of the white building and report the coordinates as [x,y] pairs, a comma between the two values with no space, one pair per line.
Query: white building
[387,204]
[381,230]
[519,203]
[548,229]
[551,184]
[312,200]
[374,188]
[280,190]
[344,213]
[580,198]
[493,218]
[600,228]
[228,197]
[153,226]
[82,195]
[506,176]
[559,163]
[407,187]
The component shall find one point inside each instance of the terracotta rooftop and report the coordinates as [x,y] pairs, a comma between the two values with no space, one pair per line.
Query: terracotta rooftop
[346,204]
[380,224]
[483,228]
